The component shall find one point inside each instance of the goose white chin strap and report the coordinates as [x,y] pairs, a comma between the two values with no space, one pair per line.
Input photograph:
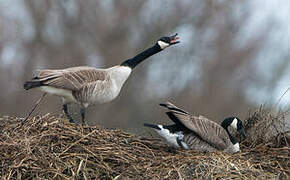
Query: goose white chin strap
[162,44]
[234,124]
[236,147]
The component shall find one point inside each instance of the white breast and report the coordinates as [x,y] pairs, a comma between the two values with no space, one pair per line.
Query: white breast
[119,75]
[106,91]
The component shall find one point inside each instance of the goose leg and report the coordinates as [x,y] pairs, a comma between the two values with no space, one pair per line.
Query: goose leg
[83,112]
[67,114]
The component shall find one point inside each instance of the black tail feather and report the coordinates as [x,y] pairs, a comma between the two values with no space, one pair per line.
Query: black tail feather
[172,107]
[173,118]
[32,84]
[174,112]
[152,126]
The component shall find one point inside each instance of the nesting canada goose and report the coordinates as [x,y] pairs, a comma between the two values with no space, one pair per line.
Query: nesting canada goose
[88,85]
[198,132]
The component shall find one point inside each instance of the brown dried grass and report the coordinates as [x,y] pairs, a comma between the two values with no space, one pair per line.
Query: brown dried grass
[48,147]
[265,127]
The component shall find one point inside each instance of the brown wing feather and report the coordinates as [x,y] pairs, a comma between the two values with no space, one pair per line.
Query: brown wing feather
[196,143]
[71,78]
[209,131]
[88,91]
[175,111]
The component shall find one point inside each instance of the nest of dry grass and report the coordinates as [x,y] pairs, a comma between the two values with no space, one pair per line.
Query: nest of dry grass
[47,147]
[267,128]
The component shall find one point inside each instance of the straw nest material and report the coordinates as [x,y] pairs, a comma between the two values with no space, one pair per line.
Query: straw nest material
[48,147]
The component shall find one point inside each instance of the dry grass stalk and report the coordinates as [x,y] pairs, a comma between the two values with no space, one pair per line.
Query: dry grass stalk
[47,147]
[267,128]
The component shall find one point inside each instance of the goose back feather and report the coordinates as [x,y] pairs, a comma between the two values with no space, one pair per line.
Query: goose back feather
[71,78]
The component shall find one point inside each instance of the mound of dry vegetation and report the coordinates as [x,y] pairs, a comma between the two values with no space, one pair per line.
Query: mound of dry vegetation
[49,147]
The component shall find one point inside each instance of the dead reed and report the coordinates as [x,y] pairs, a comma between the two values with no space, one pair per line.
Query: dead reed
[48,147]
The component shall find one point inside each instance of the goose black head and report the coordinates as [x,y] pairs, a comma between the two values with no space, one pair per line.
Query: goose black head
[236,123]
[165,42]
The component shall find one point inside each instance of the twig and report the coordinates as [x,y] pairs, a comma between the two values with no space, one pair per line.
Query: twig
[32,110]
[282,97]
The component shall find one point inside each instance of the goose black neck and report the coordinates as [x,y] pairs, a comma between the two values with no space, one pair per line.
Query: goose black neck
[225,124]
[133,62]
[232,139]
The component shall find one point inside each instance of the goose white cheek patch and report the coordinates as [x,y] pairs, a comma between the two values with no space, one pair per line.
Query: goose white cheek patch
[236,147]
[162,44]
[234,124]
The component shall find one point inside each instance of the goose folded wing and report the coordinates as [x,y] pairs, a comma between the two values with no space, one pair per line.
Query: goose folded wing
[209,131]
[196,143]
[71,78]
[88,91]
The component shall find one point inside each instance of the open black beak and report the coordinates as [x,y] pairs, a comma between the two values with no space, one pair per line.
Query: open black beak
[152,126]
[174,39]
[242,131]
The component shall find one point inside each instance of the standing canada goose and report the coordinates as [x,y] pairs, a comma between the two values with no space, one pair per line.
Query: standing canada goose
[198,132]
[88,85]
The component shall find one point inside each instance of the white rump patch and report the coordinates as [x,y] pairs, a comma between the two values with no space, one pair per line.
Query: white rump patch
[66,94]
[234,124]
[162,44]
[169,137]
